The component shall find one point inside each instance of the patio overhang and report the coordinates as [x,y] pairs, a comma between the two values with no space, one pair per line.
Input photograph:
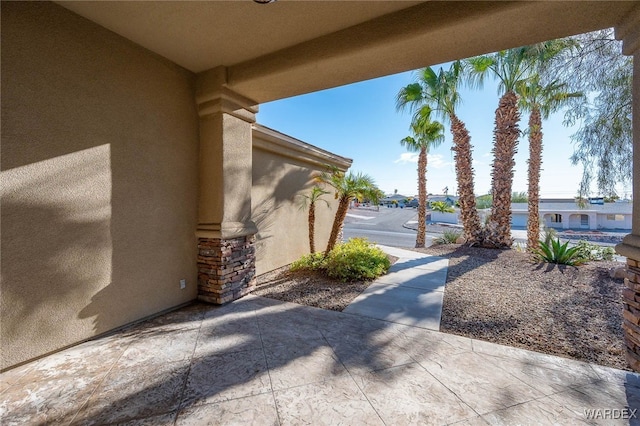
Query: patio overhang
[291,48]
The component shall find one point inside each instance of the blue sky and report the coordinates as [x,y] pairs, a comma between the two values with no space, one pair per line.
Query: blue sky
[360,121]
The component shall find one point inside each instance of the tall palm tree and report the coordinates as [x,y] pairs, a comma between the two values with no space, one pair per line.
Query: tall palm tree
[439,91]
[428,134]
[310,201]
[347,187]
[540,100]
[511,68]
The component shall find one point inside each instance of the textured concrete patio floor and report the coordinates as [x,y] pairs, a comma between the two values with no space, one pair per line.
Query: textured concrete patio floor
[261,361]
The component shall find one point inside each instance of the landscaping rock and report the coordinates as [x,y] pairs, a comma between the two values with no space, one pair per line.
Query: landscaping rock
[619,272]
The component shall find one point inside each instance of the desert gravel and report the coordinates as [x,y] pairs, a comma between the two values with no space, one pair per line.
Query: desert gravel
[501,296]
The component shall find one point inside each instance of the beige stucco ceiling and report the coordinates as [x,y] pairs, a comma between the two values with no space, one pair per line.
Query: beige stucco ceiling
[293,47]
[201,35]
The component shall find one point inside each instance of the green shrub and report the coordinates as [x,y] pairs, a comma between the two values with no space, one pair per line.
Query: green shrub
[484,201]
[519,197]
[590,251]
[355,260]
[448,237]
[608,253]
[559,253]
[313,262]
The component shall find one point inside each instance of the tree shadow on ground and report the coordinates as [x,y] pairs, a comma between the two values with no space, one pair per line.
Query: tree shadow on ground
[202,354]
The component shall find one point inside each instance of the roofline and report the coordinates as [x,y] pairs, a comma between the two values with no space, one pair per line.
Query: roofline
[271,140]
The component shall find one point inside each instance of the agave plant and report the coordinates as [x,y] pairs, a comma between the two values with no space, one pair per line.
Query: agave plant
[448,237]
[558,253]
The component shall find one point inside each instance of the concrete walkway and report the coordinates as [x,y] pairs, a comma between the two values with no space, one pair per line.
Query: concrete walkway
[411,293]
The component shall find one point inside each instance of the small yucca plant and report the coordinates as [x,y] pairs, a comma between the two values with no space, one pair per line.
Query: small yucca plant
[448,237]
[558,253]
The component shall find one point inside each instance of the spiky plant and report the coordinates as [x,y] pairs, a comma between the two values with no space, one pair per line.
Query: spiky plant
[558,253]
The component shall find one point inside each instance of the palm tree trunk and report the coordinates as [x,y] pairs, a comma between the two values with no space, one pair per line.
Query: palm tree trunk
[422,198]
[506,135]
[341,214]
[312,225]
[464,175]
[535,160]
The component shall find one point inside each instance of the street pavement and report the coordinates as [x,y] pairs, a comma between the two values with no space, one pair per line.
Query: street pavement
[383,226]
[396,227]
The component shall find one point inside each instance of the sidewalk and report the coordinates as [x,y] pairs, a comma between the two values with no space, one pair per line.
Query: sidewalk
[410,294]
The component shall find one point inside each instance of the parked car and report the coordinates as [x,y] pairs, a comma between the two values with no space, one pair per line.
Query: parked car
[413,203]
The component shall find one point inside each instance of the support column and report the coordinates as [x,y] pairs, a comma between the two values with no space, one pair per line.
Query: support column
[629,32]
[226,242]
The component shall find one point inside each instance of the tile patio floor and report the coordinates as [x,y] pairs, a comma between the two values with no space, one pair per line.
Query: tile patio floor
[261,361]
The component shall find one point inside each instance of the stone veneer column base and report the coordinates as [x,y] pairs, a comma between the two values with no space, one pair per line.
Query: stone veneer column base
[226,268]
[631,313]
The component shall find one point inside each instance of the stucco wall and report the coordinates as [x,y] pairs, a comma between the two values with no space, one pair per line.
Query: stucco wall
[283,171]
[519,219]
[604,222]
[445,217]
[99,181]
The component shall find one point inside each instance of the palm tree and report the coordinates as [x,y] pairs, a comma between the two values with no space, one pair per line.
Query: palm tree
[540,100]
[512,68]
[442,207]
[428,134]
[375,196]
[439,91]
[311,200]
[347,187]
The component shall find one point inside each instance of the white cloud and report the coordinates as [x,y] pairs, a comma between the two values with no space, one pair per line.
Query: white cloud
[407,157]
[434,161]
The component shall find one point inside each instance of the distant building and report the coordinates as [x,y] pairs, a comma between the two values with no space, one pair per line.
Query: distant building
[566,214]
[389,199]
